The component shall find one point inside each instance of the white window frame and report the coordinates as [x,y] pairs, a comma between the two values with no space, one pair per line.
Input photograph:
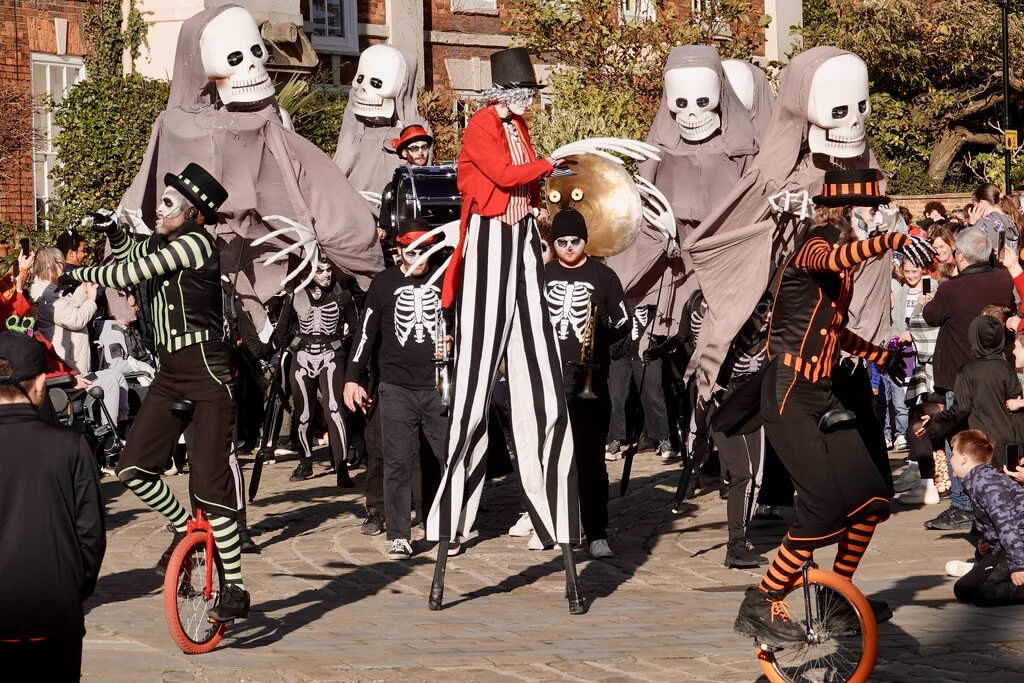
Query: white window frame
[47,157]
[639,10]
[347,45]
[698,6]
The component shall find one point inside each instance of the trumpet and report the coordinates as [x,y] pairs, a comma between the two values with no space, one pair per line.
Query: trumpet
[442,360]
[587,354]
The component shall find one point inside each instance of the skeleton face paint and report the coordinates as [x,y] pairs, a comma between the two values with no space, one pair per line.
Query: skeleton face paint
[379,79]
[323,274]
[234,57]
[838,104]
[170,212]
[520,105]
[693,94]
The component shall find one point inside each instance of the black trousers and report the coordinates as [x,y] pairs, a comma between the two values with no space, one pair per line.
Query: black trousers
[742,456]
[833,473]
[589,420]
[200,373]
[57,659]
[622,374]
[988,584]
[404,415]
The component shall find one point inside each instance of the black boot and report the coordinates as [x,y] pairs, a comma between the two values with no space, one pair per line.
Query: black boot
[234,604]
[344,479]
[303,471]
[765,616]
[740,554]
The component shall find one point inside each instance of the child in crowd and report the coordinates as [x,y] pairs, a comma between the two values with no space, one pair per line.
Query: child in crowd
[998,576]
[983,386]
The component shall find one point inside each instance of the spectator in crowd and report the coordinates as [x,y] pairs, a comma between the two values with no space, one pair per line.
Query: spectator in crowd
[414,145]
[903,299]
[73,249]
[953,308]
[935,211]
[12,285]
[48,492]
[997,577]
[944,242]
[48,266]
[994,213]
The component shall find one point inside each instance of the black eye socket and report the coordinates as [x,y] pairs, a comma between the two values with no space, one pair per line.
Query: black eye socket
[681,102]
[359,78]
[235,58]
[376,83]
[257,51]
[840,112]
[863,106]
[703,101]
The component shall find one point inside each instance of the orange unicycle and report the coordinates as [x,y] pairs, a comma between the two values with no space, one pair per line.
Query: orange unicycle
[841,642]
[192,587]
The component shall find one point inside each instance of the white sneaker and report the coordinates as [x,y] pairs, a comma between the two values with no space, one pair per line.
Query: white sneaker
[958,567]
[523,527]
[931,496]
[900,443]
[400,549]
[454,548]
[599,549]
[534,542]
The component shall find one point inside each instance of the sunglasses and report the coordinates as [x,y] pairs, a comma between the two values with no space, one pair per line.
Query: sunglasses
[419,147]
[566,242]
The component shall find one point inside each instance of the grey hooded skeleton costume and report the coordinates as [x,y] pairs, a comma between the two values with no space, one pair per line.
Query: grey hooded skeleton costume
[743,236]
[691,175]
[364,153]
[266,169]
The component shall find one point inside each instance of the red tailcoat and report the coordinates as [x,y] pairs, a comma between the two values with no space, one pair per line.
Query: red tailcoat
[487,178]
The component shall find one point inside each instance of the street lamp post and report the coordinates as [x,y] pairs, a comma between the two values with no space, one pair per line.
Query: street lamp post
[1007,153]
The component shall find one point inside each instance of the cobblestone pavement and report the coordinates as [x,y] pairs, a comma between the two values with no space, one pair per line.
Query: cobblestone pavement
[329,606]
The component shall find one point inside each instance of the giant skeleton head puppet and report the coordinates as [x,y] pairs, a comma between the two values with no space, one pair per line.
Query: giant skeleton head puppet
[234,57]
[837,107]
[379,79]
[692,94]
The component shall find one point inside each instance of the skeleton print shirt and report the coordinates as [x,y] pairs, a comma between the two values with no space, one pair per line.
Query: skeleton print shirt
[570,293]
[400,314]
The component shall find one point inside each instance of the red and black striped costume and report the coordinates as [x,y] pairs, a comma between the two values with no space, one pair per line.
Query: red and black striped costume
[842,495]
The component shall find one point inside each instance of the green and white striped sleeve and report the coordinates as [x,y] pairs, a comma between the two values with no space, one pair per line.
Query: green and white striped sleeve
[126,249]
[188,251]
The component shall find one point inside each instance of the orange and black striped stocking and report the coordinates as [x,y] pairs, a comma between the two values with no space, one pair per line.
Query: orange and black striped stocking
[852,546]
[787,564]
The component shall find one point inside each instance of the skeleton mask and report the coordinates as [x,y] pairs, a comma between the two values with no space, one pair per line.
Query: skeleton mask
[323,275]
[837,107]
[692,94]
[234,57]
[379,79]
[741,80]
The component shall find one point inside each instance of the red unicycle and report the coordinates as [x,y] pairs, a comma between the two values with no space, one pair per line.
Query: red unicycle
[192,587]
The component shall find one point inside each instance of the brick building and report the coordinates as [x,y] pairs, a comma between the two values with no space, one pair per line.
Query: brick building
[41,49]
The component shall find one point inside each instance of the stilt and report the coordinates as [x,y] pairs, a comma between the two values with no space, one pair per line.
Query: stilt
[572,582]
[437,586]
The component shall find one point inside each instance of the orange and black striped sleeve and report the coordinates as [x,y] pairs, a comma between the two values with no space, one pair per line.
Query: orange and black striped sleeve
[860,347]
[818,256]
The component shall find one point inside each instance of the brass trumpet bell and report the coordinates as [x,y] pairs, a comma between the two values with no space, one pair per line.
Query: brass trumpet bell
[605,193]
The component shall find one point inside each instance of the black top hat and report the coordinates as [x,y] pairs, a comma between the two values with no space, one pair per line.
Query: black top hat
[512,68]
[200,188]
[854,187]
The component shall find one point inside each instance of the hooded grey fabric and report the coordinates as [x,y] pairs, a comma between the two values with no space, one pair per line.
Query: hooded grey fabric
[692,176]
[266,169]
[739,247]
[364,153]
[764,102]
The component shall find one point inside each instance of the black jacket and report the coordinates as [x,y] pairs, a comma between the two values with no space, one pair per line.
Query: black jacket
[51,526]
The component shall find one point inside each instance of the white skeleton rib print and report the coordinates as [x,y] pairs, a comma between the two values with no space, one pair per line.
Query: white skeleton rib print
[416,311]
[641,316]
[568,305]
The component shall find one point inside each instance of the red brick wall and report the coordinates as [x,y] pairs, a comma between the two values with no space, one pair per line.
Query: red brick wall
[916,202]
[24,29]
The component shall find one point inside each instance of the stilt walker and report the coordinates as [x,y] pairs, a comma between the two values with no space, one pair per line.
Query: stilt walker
[496,282]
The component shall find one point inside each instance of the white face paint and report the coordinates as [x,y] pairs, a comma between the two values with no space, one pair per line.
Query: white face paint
[693,94]
[519,107]
[378,81]
[837,107]
[234,57]
[741,79]
[323,274]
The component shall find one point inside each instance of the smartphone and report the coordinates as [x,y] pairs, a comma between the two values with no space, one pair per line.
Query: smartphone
[1012,456]
[926,285]
[26,246]
[1000,244]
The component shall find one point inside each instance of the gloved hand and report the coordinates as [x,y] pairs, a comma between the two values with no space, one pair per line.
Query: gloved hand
[66,284]
[919,250]
[895,366]
[102,221]
[654,349]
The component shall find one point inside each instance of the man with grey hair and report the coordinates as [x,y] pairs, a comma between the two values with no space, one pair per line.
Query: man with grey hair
[952,308]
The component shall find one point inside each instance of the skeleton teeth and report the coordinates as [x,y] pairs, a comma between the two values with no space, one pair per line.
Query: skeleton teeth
[371,105]
[250,85]
[843,140]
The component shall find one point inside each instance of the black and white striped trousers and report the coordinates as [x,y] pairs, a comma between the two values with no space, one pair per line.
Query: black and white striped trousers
[500,312]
